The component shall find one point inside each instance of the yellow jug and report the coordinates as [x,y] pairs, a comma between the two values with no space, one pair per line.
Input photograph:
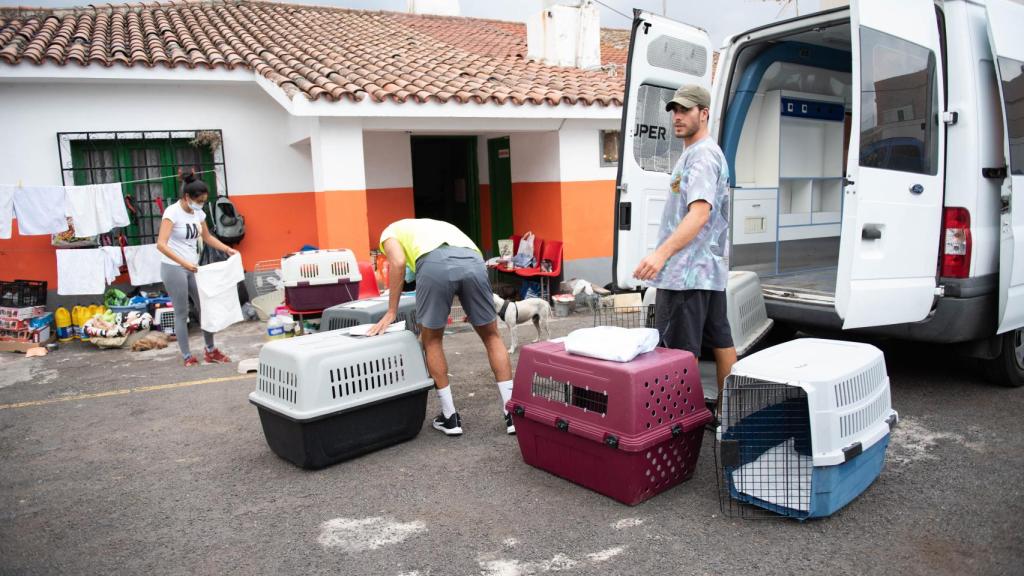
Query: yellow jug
[63,320]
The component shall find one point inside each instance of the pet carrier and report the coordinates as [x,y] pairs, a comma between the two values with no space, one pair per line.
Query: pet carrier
[804,428]
[329,397]
[628,430]
[163,319]
[319,279]
[369,311]
[745,310]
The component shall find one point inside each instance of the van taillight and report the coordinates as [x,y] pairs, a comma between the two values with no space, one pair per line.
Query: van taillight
[956,244]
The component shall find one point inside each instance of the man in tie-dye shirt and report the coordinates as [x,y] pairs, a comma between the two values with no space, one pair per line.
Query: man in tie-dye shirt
[690,267]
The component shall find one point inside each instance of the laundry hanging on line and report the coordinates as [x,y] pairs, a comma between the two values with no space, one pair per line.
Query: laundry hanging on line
[143,264]
[96,208]
[39,210]
[81,272]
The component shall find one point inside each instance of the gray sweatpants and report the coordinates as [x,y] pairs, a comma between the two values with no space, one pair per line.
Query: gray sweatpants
[181,283]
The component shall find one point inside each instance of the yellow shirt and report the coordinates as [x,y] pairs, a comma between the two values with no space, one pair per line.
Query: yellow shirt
[419,236]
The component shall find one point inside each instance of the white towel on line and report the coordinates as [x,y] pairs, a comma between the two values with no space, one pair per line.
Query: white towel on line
[6,211]
[114,261]
[143,264]
[611,342]
[218,293]
[96,208]
[40,210]
[81,272]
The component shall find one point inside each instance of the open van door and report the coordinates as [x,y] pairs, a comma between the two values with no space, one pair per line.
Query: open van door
[663,55]
[892,201]
[1004,32]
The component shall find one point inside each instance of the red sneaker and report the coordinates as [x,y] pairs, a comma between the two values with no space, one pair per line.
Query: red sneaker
[216,357]
[191,361]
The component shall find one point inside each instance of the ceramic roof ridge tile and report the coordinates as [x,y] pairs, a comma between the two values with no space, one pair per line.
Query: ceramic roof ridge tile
[318,51]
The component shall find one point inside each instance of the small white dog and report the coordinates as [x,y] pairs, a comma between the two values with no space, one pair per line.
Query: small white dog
[515,313]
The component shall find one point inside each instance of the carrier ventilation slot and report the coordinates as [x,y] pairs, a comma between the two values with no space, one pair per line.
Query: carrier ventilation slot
[853,390]
[279,383]
[339,323]
[856,421]
[339,268]
[565,393]
[362,377]
[752,314]
[309,270]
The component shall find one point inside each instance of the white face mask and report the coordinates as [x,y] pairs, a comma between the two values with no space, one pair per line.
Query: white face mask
[195,207]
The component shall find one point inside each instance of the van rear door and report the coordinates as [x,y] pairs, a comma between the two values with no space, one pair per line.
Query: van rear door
[663,55]
[1004,33]
[892,201]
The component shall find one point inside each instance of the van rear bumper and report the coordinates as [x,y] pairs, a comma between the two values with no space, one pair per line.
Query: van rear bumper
[954,319]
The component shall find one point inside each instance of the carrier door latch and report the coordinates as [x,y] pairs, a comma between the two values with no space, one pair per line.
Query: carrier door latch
[852,451]
[950,117]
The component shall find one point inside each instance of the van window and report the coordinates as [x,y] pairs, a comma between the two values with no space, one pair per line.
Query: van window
[899,103]
[655,147]
[1012,74]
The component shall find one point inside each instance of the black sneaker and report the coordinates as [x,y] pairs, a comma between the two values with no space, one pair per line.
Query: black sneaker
[509,426]
[451,426]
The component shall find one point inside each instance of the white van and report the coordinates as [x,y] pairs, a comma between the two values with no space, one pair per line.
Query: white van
[877,160]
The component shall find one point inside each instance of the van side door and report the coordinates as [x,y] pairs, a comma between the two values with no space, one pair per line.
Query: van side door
[663,55]
[892,200]
[1005,20]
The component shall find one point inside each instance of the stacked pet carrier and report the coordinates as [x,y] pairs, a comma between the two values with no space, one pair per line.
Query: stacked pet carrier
[369,311]
[804,429]
[328,397]
[627,430]
[319,279]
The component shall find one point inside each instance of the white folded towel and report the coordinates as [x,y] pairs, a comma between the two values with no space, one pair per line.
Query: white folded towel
[612,342]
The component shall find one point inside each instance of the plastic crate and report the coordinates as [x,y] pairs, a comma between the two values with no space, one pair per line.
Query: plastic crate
[804,430]
[319,279]
[163,319]
[745,309]
[22,293]
[328,397]
[22,313]
[626,430]
[369,311]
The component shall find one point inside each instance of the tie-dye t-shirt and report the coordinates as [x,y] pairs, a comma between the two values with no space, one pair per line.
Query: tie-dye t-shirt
[700,174]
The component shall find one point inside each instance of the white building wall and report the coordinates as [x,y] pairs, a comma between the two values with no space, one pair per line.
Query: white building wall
[534,157]
[388,159]
[579,151]
[257,156]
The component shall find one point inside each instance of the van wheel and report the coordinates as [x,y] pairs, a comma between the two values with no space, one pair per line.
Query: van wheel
[1007,369]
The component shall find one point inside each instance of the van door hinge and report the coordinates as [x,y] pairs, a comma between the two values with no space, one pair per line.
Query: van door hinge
[950,118]
[940,291]
[622,188]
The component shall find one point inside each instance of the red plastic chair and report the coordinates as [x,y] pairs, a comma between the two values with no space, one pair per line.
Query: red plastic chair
[550,250]
[368,285]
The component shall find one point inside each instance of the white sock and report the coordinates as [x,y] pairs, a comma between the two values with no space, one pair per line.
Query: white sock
[444,395]
[505,387]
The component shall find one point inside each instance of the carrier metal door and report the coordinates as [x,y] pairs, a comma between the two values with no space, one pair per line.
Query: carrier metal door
[663,55]
[1005,20]
[892,200]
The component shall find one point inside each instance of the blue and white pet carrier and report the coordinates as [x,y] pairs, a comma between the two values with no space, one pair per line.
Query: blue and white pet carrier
[804,428]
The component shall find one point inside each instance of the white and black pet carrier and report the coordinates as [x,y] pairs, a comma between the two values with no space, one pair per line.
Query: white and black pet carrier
[804,428]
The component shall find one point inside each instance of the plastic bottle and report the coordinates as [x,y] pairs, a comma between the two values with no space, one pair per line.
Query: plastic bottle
[275,328]
[76,322]
[63,320]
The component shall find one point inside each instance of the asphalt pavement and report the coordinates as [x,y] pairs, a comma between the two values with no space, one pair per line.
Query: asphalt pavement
[119,462]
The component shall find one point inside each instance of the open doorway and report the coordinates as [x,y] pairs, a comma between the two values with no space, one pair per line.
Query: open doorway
[445,181]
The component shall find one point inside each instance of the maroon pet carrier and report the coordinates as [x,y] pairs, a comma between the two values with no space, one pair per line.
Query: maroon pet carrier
[626,430]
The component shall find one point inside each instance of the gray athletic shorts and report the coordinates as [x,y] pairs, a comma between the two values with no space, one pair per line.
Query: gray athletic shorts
[687,318]
[451,271]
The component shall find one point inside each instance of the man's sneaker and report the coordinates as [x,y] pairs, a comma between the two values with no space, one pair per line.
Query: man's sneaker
[191,361]
[215,356]
[451,426]
[509,426]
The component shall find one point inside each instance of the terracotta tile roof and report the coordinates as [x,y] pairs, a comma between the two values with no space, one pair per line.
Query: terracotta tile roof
[320,52]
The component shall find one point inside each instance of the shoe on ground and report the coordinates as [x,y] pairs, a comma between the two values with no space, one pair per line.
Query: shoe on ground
[215,356]
[510,428]
[191,361]
[451,426]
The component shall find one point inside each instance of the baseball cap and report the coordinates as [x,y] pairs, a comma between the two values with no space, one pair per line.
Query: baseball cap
[689,96]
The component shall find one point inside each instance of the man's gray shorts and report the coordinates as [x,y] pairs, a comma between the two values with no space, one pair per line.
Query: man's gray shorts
[688,318]
[451,271]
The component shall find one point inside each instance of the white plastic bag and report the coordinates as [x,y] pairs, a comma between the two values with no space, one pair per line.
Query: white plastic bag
[524,257]
[218,293]
[612,342]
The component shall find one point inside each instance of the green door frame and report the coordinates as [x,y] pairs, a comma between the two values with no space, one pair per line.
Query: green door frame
[500,172]
[472,181]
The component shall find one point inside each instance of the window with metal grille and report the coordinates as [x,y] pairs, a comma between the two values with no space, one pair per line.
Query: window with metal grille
[147,164]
